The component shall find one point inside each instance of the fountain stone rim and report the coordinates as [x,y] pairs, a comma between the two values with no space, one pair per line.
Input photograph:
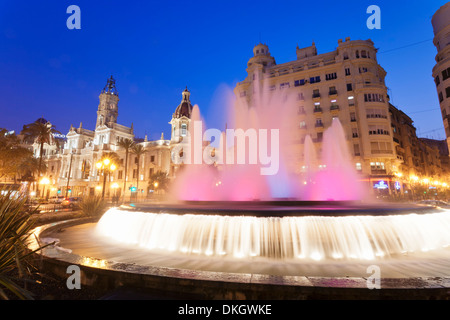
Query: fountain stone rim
[281,208]
[220,285]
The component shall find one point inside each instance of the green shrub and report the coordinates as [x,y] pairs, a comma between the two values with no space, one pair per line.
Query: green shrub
[93,206]
[15,227]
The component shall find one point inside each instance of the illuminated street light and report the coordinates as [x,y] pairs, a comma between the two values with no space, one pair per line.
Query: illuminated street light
[106,166]
[44,181]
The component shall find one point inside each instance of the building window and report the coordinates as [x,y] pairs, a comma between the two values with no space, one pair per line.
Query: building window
[331,76]
[363,54]
[357,152]
[314,79]
[352,117]
[349,87]
[300,96]
[298,83]
[447,92]
[378,129]
[376,113]
[381,147]
[183,129]
[358,165]
[363,69]
[319,122]
[354,132]
[351,101]
[152,158]
[301,110]
[441,97]
[302,125]
[332,90]
[377,166]
[134,173]
[436,80]
[347,71]
[446,74]
[316,93]
[285,85]
[373,97]
[119,174]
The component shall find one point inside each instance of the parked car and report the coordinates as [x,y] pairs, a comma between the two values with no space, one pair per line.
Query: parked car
[72,202]
[57,199]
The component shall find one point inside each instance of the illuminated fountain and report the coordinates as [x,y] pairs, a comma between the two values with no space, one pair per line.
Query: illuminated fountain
[234,220]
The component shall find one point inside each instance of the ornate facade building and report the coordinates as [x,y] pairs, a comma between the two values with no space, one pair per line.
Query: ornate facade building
[347,83]
[441,71]
[72,169]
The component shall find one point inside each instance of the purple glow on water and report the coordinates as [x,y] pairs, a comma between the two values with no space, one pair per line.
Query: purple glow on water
[327,170]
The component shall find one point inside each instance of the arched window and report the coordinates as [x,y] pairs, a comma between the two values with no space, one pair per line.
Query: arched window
[357,53]
[363,54]
[183,129]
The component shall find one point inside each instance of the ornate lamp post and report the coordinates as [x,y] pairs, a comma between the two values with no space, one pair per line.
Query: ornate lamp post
[44,181]
[106,166]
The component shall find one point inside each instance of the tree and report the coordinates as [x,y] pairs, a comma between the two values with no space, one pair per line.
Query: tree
[41,132]
[138,150]
[28,168]
[159,181]
[126,144]
[12,155]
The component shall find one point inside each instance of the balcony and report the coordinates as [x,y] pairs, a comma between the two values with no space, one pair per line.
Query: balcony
[376,116]
[318,110]
[332,93]
[319,125]
[334,108]
[382,152]
[316,96]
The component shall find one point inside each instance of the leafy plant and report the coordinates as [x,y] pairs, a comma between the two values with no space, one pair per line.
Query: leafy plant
[93,206]
[15,227]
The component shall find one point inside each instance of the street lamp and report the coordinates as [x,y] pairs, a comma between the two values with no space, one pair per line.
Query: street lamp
[114,186]
[44,181]
[106,166]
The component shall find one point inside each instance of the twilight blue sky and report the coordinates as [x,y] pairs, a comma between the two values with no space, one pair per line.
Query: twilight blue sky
[156,48]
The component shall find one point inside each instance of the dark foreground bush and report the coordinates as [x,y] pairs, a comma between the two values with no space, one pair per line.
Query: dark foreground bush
[93,206]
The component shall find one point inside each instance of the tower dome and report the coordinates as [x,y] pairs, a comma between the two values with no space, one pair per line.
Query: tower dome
[184,109]
[261,49]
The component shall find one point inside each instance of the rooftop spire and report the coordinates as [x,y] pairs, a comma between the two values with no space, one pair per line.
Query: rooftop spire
[110,86]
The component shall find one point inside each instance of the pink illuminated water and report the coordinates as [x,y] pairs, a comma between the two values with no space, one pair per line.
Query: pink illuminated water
[327,170]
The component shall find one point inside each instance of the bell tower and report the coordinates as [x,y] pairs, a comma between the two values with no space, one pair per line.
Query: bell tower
[181,118]
[108,107]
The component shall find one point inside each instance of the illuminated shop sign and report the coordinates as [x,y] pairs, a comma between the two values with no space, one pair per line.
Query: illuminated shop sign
[381,185]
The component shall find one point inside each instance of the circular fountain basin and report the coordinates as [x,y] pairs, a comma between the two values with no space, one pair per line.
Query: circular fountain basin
[233,270]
